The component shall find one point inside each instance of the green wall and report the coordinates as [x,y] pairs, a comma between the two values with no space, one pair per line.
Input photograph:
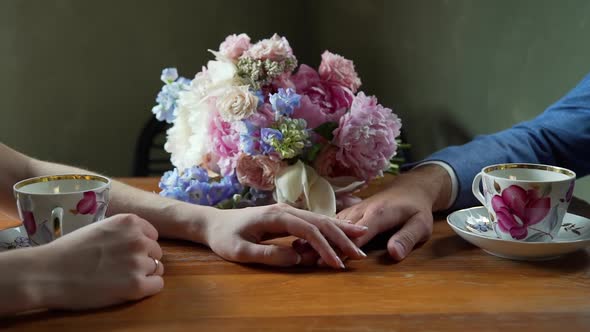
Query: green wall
[79,77]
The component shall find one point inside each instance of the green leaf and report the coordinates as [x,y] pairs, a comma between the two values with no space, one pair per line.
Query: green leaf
[312,153]
[326,130]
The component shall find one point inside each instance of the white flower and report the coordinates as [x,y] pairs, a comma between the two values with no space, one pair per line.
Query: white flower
[188,139]
[236,103]
[300,185]
[221,74]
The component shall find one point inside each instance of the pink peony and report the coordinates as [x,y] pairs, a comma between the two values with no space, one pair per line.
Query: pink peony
[517,209]
[275,48]
[225,142]
[336,69]
[258,171]
[327,165]
[234,46]
[366,137]
[321,100]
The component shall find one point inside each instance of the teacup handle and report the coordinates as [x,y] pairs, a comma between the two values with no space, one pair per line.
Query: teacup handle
[57,216]
[475,188]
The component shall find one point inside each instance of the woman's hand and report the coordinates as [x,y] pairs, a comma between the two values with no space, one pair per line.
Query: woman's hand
[235,235]
[108,262]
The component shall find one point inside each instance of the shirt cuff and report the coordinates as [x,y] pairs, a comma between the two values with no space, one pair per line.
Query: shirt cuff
[452,175]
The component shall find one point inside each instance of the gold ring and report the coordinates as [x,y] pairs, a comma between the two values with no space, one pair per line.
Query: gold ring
[157,263]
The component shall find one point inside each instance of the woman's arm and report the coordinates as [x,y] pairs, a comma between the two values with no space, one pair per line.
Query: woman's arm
[234,235]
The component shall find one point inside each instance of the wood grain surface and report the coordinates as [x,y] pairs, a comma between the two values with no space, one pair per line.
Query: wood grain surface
[445,285]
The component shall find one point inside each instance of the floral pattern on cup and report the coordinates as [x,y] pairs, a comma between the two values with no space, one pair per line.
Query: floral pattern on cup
[517,209]
[29,222]
[90,203]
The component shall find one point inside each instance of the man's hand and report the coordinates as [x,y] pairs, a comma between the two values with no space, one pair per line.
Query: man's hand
[406,204]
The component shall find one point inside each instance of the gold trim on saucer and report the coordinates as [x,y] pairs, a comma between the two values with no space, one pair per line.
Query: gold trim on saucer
[50,178]
[549,168]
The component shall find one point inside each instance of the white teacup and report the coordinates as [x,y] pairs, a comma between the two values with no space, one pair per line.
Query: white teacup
[526,202]
[52,206]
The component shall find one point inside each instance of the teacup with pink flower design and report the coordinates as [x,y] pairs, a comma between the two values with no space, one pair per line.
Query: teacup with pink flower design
[52,206]
[526,202]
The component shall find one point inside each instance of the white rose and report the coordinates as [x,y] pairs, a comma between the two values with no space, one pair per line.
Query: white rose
[236,103]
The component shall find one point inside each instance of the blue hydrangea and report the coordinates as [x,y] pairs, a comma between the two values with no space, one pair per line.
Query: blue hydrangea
[194,174]
[175,193]
[249,138]
[195,186]
[284,101]
[167,99]
[198,193]
[269,137]
[260,95]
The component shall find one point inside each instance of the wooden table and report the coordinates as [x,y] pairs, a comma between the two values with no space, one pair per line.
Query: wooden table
[446,285]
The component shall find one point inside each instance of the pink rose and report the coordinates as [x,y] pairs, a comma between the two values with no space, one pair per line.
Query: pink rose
[235,45]
[258,171]
[225,141]
[366,137]
[338,70]
[321,100]
[275,48]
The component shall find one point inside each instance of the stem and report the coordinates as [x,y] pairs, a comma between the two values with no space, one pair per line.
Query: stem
[540,231]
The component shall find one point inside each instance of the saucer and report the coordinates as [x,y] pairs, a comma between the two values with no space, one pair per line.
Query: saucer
[474,226]
[13,238]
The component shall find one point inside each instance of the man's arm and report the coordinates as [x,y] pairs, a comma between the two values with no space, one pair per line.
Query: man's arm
[560,136]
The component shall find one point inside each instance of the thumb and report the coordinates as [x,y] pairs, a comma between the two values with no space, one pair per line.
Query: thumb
[417,229]
[270,254]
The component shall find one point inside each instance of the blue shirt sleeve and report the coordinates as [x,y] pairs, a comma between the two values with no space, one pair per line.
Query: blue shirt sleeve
[560,136]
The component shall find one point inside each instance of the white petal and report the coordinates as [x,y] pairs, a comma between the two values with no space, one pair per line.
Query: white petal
[322,199]
[288,183]
[345,184]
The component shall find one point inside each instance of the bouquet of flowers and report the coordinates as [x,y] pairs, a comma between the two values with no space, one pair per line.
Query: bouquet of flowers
[250,129]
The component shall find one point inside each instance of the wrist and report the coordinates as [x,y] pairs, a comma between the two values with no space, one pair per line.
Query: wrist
[197,220]
[30,270]
[435,183]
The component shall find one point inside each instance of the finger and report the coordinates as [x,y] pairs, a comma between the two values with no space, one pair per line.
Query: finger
[149,266]
[417,229]
[354,213]
[309,256]
[333,230]
[152,285]
[149,230]
[268,254]
[379,220]
[154,249]
[349,229]
[300,228]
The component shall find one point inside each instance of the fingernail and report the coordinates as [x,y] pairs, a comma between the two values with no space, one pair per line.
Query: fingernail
[348,221]
[400,248]
[362,253]
[298,259]
[342,266]
[364,228]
